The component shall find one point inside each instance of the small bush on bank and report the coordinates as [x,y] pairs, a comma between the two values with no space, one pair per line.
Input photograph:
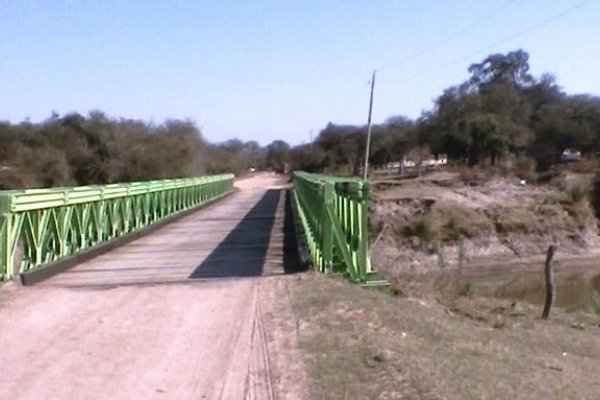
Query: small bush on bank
[580,212]
[575,194]
[420,228]
[520,220]
[452,221]
[452,229]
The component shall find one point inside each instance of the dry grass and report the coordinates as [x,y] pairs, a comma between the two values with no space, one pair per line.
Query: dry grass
[510,219]
[576,194]
[475,175]
[421,213]
[477,334]
[519,168]
[452,221]
[365,344]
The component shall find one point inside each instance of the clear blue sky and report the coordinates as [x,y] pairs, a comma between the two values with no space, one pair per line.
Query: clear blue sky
[266,70]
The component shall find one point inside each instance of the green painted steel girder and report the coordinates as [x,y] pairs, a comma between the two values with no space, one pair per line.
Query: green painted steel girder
[334,214]
[38,226]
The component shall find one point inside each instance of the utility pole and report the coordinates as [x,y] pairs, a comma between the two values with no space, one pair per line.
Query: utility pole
[369,129]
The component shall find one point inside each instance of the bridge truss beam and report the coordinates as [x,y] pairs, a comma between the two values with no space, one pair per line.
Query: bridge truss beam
[39,226]
[334,216]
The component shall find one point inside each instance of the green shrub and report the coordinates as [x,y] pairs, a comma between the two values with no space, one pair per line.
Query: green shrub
[453,220]
[466,290]
[515,219]
[580,212]
[420,228]
[452,229]
[576,193]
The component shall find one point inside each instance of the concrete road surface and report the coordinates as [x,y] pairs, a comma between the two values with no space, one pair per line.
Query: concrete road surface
[174,315]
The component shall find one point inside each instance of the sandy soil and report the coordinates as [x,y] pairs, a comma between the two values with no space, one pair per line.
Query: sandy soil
[145,321]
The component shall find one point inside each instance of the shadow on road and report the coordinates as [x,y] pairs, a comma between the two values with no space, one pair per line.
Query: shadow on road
[291,261]
[248,248]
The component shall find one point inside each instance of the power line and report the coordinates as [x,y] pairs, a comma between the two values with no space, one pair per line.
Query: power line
[451,36]
[490,14]
[511,37]
[430,48]
[535,26]
[446,39]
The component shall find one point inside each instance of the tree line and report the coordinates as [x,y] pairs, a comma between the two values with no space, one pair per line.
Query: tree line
[501,113]
[95,149]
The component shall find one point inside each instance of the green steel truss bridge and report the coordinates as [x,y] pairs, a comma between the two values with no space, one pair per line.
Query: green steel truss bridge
[168,289]
[46,231]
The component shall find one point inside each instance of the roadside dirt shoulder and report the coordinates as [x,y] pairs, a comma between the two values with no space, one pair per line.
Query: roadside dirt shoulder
[366,344]
[280,329]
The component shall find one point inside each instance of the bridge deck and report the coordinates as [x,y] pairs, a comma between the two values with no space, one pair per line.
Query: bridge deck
[244,235]
[172,318]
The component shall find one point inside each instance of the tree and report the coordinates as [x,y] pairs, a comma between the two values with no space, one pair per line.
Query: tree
[511,69]
[277,155]
[344,147]
[487,116]
[544,91]
[308,157]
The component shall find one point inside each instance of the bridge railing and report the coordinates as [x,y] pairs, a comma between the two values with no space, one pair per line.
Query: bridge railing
[38,226]
[334,213]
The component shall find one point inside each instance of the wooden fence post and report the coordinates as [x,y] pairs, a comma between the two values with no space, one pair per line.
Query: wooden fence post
[549,277]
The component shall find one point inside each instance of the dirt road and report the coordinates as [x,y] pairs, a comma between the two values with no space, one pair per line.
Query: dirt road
[179,314]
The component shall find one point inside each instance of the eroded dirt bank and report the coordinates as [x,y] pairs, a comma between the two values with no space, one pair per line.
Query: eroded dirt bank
[492,235]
